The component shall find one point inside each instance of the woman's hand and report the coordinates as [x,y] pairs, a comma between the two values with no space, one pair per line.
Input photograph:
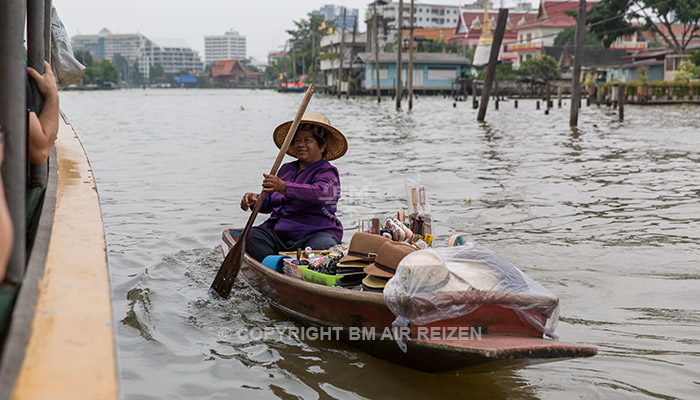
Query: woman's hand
[249,200]
[272,183]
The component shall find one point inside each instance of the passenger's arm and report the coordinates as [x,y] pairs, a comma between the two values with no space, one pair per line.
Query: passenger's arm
[44,128]
[6,232]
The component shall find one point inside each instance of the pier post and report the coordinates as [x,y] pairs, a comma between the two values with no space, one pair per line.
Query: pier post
[516,103]
[341,56]
[410,61]
[36,53]
[376,49]
[475,102]
[13,120]
[559,95]
[576,77]
[621,102]
[399,45]
[538,104]
[493,60]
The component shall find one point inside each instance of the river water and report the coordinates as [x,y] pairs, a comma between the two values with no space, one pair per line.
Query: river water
[607,217]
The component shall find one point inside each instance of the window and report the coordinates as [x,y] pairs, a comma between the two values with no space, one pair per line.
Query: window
[442,74]
[529,37]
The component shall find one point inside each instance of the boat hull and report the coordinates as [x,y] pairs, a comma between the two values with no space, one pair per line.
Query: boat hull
[495,332]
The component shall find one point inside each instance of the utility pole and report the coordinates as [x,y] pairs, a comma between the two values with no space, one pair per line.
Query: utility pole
[576,78]
[352,57]
[493,60]
[398,57]
[410,61]
[341,55]
[376,51]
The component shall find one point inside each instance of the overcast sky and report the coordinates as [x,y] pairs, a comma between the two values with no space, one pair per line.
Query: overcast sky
[263,22]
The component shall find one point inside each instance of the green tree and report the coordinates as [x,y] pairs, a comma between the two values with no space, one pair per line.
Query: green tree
[105,71]
[156,71]
[541,67]
[504,72]
[610,19]
[567,37]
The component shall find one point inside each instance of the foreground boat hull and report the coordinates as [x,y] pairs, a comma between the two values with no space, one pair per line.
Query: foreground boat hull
[495,332]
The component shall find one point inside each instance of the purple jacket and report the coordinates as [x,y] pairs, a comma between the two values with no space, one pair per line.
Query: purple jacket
[310,203]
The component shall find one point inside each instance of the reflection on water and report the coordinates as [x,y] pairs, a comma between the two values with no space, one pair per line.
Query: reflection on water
[605,216]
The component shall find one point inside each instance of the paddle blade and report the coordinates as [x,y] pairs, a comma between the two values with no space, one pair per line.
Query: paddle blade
[229,269]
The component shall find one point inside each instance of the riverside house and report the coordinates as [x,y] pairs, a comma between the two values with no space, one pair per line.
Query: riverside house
[432,72]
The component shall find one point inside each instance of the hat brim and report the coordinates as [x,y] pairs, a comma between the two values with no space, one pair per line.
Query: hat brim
[374,282]
[352,264]
[336,142]
[373,270]
[355,259]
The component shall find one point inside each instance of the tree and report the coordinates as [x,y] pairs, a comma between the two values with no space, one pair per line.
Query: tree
[686,71]
[541,67]
[610,19]
[105,71]
[567,35]
[156,71]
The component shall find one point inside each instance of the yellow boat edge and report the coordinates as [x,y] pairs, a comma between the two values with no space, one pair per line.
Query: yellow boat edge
[71,348]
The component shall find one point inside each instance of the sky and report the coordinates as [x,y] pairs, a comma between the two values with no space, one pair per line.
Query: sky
[263,22]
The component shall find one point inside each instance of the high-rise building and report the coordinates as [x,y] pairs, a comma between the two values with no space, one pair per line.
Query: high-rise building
[335,13]
[173,56]
[228,46]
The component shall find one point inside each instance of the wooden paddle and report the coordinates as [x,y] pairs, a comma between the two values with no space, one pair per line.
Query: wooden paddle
[232,263]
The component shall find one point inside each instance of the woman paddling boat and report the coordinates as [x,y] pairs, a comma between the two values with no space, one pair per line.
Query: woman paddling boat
[302,199]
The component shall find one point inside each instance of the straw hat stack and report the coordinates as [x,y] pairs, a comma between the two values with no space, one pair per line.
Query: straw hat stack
[361,253]
[384,266]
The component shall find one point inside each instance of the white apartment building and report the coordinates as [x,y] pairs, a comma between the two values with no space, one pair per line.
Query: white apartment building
[105,44]
[425,15]
[224,47]
[173,55]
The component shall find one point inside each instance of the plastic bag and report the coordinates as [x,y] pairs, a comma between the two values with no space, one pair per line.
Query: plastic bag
[65,67]
[451,282]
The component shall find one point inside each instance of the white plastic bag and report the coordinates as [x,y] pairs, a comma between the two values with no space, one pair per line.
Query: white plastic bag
[65,67]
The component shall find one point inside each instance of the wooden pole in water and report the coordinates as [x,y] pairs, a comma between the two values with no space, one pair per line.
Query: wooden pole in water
[493,60]
[576,78]
[475,102]
[399,45]
[622,95]
[410,61]
[13,120]
[376,50]
[559,94]
[341,55]
[352,55]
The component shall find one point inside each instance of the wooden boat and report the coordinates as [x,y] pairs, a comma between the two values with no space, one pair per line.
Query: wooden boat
[504,336]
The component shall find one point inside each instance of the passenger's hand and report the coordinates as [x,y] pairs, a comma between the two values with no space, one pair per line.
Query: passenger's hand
[272,183]
[45,83]
[249,200]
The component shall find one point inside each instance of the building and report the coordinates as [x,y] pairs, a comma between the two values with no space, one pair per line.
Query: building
[224,47]
[232,74]
[105,44]
[534,36]
[174,56]
[470,29]
[425,15]
[335,13]
[432,72]
[330,65]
